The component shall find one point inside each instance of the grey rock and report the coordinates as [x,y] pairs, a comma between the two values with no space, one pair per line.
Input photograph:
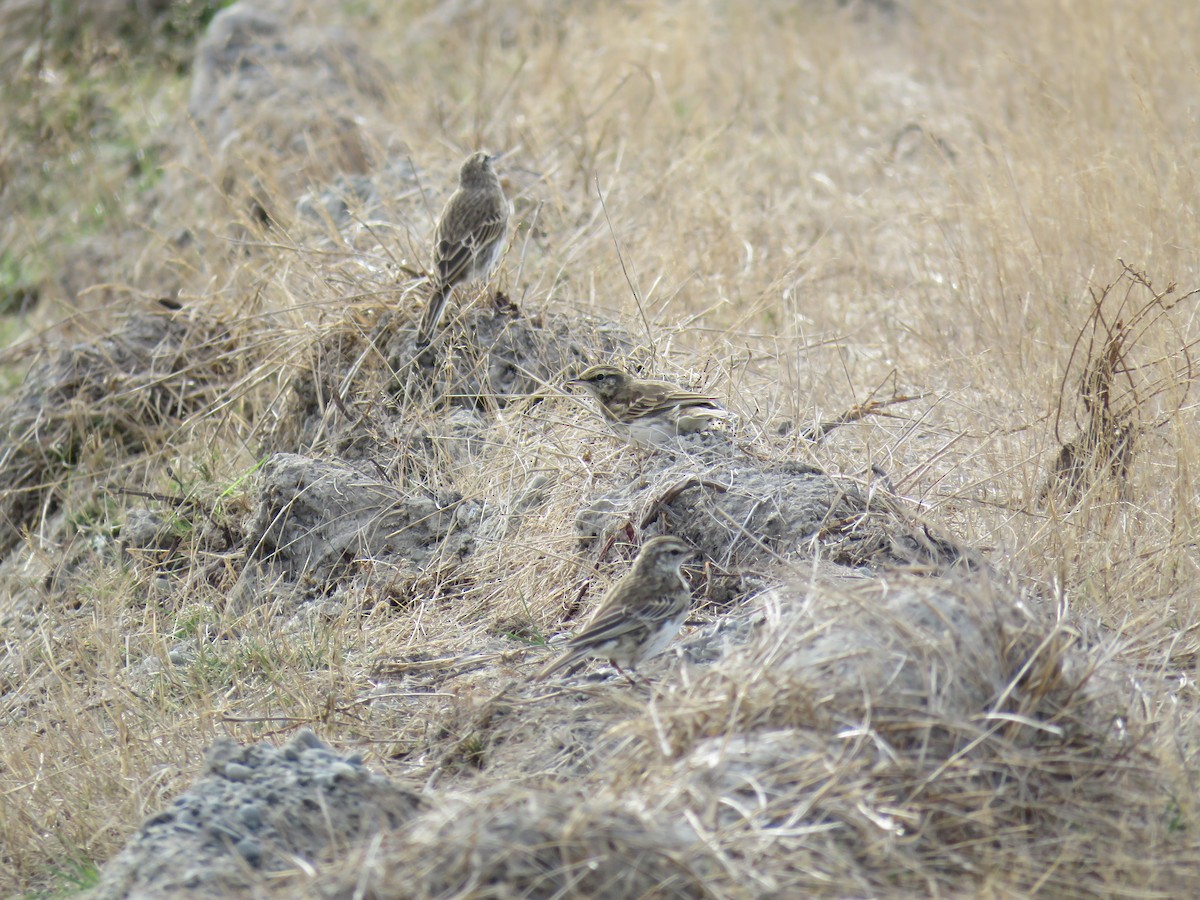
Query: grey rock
[294,801]
[251,815]
[308,740]
[146,529]
[238,772]
[251,850]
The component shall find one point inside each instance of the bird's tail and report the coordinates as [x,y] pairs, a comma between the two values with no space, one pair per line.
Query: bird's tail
[568,659]
[432,316]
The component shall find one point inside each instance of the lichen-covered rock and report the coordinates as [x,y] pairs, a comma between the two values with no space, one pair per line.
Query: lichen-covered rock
[252,811]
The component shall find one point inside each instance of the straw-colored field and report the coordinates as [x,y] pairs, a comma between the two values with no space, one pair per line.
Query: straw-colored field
[967,227]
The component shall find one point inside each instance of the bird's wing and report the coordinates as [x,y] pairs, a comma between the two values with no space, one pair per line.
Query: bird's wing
[608,625]
[665,396]
[453,253]
[613,620]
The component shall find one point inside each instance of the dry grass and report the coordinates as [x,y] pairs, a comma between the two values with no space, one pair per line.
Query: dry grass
[816,206]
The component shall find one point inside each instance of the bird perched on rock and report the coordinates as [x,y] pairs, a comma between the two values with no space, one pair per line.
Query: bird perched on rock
[640,613]
[646,412]
[470,236]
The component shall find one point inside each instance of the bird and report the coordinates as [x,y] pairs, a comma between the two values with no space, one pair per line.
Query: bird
[469,238]
[648,413]
[638,616]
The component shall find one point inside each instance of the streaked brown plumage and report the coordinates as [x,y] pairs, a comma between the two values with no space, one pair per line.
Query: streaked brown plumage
[469,239]
[647,412]
[639,615]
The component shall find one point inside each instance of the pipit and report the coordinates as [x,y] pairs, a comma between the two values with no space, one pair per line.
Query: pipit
[470,236]
[645,412]
[640,613]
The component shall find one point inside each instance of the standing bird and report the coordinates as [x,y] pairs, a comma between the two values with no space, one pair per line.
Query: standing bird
[648,413]
[640,613]
[469,239]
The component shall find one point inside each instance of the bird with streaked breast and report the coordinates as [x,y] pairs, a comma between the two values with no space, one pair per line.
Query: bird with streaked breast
[470,236]
[640,613]
[647,412]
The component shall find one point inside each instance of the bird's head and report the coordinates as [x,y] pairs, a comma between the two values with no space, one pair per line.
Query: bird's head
[477,169]
[604,382]
[665,554]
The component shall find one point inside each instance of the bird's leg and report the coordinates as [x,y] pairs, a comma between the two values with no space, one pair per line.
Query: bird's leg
[497,284]
[504,304]
[624,674]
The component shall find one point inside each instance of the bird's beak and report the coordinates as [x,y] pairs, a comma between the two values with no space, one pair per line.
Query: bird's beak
[496,157]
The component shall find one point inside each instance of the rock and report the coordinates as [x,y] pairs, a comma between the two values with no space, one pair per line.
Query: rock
[237,772]
[251,811]
[144,529]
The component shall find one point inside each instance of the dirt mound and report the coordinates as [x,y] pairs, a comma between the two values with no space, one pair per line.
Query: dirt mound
[119,394]
[531,844]
[32,30]
[873,722]
[265,87]
[314,519]
[364,397]
[747,515]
